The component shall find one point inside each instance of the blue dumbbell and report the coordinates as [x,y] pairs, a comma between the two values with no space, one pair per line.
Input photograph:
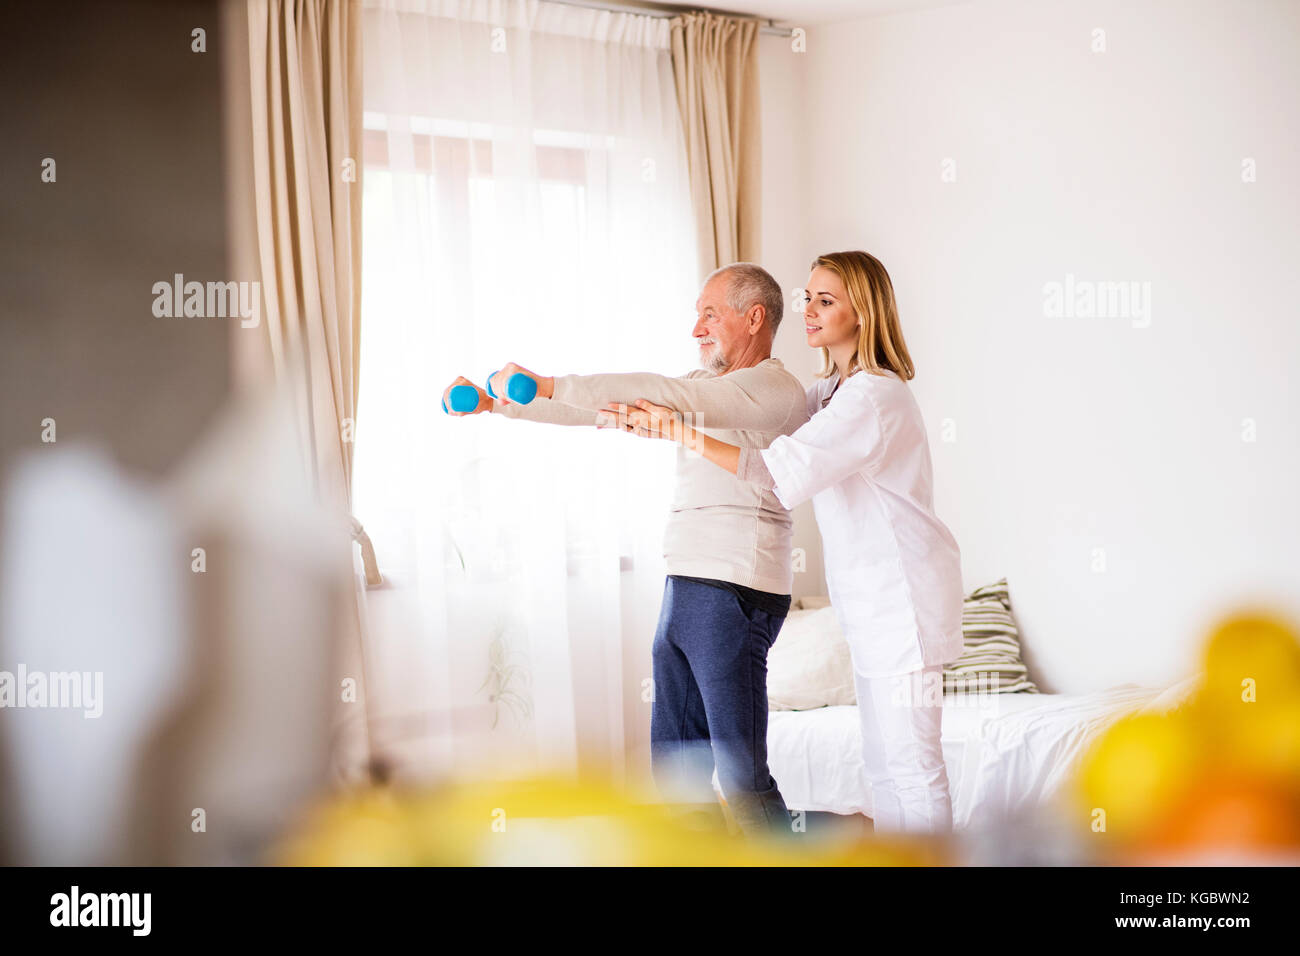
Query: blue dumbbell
[520,388]
[464,398]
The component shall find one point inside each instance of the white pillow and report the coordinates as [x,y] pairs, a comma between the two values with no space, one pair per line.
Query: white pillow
[809,666]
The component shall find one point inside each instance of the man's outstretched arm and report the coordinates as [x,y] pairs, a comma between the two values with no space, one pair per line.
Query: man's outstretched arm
[538,410]
[751,399]
[547,411]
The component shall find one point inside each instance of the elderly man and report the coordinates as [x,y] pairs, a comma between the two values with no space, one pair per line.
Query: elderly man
[727,543]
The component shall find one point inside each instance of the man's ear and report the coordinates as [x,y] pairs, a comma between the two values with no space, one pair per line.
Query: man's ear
[755,319]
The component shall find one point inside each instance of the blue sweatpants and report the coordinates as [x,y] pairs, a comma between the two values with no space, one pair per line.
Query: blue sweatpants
[710,703]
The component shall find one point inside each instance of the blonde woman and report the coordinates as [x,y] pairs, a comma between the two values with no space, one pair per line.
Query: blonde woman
[893,570]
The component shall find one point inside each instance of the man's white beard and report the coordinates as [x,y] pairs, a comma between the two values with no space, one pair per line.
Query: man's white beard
[716,362]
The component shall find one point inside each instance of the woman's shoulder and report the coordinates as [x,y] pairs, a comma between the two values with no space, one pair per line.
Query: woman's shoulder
[820,387]
[821,391]
[865,391]
[875,382]
[877,374]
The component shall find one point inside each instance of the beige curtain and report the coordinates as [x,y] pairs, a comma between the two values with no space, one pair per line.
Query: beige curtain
[715,65]
[305,68]
[306,111]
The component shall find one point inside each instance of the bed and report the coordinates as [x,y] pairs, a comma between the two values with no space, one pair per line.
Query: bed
[1005,753]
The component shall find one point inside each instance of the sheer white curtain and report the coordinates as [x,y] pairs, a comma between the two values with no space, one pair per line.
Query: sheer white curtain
[525,199]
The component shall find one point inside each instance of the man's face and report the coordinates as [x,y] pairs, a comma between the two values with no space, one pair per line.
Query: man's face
[720,330]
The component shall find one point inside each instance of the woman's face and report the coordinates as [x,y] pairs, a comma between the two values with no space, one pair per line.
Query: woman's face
[828,318]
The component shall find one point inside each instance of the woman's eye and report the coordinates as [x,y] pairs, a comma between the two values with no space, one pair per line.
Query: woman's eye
[826,303]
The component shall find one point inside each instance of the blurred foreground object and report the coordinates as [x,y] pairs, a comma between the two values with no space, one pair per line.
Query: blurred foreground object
[208,607]
[551,821]
[1217,778]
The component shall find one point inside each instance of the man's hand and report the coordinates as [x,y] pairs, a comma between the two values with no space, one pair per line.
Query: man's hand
[648,420]
[499,380]
[484,400]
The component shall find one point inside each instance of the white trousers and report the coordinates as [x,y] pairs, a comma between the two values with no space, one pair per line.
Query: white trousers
[902,717]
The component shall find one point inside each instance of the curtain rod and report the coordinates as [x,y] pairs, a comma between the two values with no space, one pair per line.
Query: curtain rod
[768,27]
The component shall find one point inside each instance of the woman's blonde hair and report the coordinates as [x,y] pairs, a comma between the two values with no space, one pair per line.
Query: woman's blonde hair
[880,335]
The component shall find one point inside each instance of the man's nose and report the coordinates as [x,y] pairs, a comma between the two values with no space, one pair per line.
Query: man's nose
[700,329]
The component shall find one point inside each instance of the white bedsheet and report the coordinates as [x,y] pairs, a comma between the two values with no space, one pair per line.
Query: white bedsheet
[1005,753]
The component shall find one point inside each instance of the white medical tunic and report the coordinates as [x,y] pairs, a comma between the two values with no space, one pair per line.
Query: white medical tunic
[893,569]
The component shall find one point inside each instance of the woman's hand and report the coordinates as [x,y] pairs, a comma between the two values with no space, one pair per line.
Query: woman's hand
[649,420]
[659,421]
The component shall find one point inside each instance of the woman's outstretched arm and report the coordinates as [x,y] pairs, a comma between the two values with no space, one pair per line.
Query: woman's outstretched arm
[659,421]
[843,438]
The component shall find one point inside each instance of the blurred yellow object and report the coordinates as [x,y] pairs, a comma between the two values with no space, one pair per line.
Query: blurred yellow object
[1273,744]
[1252,655]
[548,821]
[1249,704]
[366,828]
[1137,768]
[1223,770]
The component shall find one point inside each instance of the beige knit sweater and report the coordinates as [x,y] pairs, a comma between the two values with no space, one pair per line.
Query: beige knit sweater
[719,527]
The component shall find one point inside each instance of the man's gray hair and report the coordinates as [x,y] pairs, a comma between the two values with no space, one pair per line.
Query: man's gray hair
[750,285]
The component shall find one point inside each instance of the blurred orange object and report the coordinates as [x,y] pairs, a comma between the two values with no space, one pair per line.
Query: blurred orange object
[1231,813]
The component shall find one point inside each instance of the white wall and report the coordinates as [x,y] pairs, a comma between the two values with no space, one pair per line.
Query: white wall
[1075,434]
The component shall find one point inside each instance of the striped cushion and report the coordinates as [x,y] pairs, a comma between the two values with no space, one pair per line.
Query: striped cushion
[990,663]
